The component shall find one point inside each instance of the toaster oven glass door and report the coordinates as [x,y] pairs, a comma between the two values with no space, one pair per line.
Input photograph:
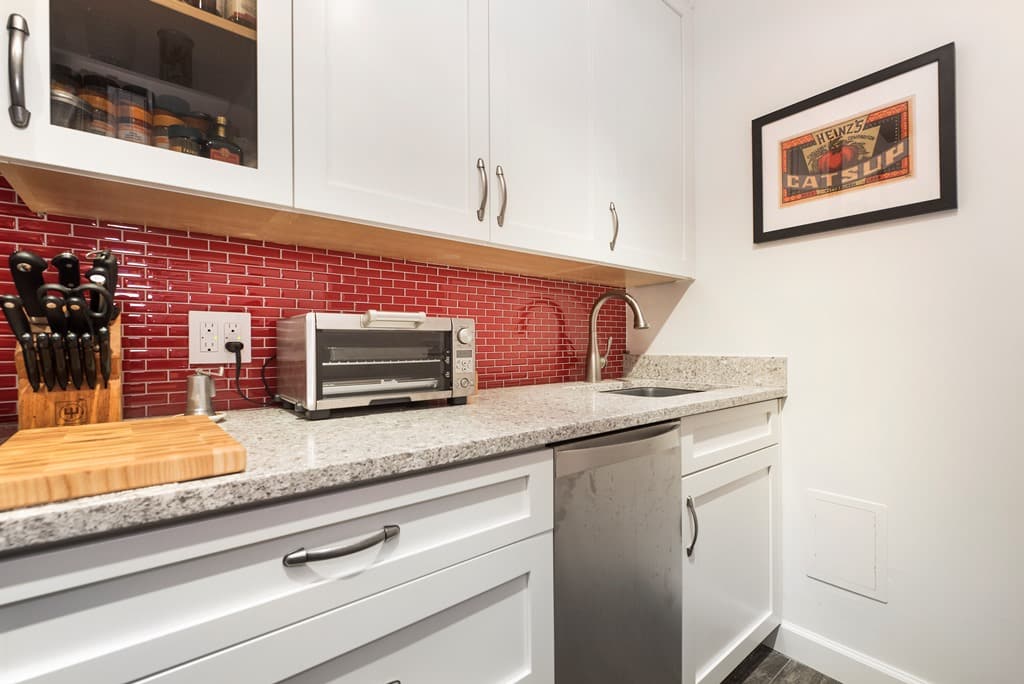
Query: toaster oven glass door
[353,363]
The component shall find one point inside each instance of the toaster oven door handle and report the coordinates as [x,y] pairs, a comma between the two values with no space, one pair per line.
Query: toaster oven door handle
[393,319]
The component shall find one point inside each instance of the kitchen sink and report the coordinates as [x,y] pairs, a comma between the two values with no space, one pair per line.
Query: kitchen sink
[652,391]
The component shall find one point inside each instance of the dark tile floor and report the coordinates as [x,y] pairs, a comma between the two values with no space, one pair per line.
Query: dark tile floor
[765,666]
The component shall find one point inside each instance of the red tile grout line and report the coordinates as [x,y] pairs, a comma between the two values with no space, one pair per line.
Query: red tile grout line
[530,330]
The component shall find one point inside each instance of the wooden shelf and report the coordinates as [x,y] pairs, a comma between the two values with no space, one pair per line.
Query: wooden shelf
[188,10]
[46,191]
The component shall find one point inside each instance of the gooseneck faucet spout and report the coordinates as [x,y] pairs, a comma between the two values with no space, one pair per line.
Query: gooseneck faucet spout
[595,362]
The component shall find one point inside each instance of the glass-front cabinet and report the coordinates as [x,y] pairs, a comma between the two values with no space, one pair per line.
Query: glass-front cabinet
[182,94]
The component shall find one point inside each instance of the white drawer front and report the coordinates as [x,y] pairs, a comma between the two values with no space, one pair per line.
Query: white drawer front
[203,586]
[719,436]
[484,621]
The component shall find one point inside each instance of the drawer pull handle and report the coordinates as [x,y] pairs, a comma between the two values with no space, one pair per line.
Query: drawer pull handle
[696,527]
[302,556]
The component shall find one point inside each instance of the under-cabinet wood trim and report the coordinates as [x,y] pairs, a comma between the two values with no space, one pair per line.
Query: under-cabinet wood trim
[49,191]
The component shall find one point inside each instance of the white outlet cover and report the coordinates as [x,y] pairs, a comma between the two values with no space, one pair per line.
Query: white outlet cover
[219,320]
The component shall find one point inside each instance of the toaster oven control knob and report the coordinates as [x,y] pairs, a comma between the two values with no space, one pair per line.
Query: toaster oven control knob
[465,335]
[464,382]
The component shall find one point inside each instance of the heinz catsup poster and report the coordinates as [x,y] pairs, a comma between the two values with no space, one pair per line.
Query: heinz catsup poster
[874,147]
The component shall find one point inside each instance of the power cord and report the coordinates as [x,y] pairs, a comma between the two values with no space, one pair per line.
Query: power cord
[236,347]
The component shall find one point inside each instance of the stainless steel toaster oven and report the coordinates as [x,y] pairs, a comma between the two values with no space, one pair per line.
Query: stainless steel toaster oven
[330,360]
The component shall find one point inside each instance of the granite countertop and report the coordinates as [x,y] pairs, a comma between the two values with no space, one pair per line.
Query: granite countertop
[288,456]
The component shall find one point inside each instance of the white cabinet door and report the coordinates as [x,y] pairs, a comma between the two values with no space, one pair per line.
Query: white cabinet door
[391,106]
[643,71]
[731,579]
[245,76]
[486,621]
[542,126]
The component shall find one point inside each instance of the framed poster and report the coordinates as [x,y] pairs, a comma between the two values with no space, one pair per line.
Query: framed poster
[874,149]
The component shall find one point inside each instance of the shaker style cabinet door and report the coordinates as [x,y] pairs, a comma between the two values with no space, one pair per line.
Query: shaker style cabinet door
[105,82]
[643,70]
[731,563]
[391,107]
[542,116]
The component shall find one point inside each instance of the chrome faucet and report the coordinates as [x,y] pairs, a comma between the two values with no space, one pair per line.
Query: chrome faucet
[595,362]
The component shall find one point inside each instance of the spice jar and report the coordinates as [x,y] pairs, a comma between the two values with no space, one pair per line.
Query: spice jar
[102,124]
[100,93]
[199,120]
[161,137]
[134,114]
[69,111]
[205,5]
[175,57]
[219,147]
[185,139]
[161,118]
[62,78]
[241,12]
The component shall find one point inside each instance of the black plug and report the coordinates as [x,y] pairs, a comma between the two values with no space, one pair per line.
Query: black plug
[236,347]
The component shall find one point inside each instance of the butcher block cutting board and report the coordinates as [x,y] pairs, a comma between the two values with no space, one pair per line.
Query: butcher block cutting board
[54,464]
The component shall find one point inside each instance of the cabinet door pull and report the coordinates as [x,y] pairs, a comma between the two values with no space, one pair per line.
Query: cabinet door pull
[302,556]
[17,32]
[500,173]
[696,527]
[482,168]
[615,225]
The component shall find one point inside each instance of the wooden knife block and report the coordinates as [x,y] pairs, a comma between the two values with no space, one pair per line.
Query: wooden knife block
[57,407]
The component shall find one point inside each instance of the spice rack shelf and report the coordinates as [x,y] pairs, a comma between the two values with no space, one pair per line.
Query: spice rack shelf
[207,18]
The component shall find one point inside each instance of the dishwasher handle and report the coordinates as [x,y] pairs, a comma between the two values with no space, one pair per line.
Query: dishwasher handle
[598,452]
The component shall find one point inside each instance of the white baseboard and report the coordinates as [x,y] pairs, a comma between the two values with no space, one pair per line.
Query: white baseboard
[834,659]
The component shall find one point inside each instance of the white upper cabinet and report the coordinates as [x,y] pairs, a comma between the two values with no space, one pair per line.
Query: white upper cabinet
[115,64]
[643,73]
[391,104]
[542,119]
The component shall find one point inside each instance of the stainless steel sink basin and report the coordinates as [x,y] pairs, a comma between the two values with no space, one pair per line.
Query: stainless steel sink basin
[651,391]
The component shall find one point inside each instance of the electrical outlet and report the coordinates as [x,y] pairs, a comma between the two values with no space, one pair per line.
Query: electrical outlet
[209,331]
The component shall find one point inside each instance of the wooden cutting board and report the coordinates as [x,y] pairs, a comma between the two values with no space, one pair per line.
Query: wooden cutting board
[54,464]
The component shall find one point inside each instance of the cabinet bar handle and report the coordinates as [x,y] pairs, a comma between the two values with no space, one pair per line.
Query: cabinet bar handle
[17,32]
[696,527]
[500,173]
[302,556]
[615,225]
[482,168]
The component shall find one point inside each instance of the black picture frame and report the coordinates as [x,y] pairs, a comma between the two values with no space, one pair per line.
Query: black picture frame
[947,199]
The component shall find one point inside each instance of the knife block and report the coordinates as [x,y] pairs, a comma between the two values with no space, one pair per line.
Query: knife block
[58,407]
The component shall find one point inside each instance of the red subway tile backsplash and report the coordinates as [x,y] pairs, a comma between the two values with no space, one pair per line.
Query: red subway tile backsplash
[529,330]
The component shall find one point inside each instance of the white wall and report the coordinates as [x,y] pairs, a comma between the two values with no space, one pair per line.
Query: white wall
[905,339]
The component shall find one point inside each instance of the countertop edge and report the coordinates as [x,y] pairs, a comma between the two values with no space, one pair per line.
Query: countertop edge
[41,527]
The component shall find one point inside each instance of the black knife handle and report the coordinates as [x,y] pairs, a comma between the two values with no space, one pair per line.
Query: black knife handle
[68,273]
[27,271]
[103,338]
[46,359]
[105,259]
[78,316]
[60,359]
[74,358]
[15,315]
[28,353]
[89,357]
[55,316]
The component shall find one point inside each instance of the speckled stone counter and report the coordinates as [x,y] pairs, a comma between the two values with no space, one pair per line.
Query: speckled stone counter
[288,456]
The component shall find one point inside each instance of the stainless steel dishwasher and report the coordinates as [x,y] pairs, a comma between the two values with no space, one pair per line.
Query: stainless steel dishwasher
[618,558]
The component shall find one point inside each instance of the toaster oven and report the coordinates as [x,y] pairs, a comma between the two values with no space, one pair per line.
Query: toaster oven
[330,360]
